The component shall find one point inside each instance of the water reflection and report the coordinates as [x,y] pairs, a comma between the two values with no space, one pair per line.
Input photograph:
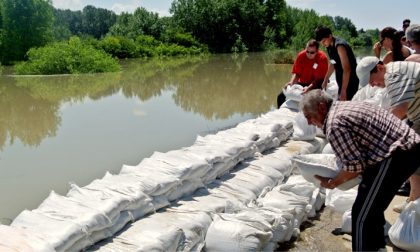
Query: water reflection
[56,129]
[215,87]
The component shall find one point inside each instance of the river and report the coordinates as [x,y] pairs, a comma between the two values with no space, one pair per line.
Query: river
[73,128]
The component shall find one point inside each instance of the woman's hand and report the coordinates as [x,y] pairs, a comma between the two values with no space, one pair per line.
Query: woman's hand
[377,47]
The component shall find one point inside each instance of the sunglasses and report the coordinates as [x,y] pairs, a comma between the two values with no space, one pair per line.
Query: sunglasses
[310,52]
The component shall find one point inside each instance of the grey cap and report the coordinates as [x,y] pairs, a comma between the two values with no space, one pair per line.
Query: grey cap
[364,67]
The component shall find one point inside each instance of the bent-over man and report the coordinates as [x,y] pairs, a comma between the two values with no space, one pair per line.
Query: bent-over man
[370,141]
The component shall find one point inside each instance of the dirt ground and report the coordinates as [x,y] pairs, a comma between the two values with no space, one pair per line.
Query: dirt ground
[316,233]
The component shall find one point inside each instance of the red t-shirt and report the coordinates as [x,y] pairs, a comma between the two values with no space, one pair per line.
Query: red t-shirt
[309,70]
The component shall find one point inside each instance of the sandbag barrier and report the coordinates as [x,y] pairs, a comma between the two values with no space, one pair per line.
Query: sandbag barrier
[179,200]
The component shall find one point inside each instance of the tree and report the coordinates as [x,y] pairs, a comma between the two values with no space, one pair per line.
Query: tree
[26,24]
[223,24]
[141,22]
[97,21]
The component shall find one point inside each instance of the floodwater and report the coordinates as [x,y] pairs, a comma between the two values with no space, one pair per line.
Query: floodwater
[60,129]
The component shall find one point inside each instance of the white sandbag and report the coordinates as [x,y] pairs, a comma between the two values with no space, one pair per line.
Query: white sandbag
[166,231]
[109,204]
[405,232]
[340,201]
[287,201]
[293,92]
[190,167]
[324,165]
[151,183]
[327,149]
[242,194]
[117,224]
[346,222]
[18,239]
[301,129]
[332,89]
[290,104]
[61,234]
[63,208]
[227,233]
[129,187]
[299,186]
[187,187]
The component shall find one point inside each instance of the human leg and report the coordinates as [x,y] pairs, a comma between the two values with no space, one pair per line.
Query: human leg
[379,184]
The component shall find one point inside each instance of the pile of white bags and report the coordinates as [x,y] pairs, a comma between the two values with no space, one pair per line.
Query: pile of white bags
[223,173]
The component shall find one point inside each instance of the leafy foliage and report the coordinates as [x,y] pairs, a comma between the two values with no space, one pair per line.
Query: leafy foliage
[25,24]
[70,57]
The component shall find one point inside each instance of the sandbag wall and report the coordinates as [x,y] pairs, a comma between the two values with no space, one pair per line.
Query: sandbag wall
[182,199]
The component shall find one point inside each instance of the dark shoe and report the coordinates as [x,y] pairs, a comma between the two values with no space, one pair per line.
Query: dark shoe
[404,189]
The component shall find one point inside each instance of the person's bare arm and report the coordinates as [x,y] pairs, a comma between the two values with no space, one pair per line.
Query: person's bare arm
[388,57]
[341,177]
[346,72]
[330,70]
[400,110]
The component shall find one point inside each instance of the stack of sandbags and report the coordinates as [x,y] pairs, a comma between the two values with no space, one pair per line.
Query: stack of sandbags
[171,230]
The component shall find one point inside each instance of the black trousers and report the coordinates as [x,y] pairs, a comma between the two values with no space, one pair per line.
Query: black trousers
[379,185]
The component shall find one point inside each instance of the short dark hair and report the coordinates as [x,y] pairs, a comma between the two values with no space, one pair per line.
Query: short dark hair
[406,21]
[322,32]
[312,42]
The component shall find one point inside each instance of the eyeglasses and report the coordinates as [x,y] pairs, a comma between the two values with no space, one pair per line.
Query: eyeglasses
[310,52]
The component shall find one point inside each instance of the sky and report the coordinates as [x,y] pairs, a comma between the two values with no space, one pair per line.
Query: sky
[365,14]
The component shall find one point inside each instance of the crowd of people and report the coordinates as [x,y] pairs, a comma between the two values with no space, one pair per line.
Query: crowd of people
[379,144]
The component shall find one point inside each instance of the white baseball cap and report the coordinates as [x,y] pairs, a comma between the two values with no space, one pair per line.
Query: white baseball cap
[364,67]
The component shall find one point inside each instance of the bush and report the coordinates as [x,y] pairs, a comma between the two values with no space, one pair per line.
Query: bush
[118,46]
[70,57]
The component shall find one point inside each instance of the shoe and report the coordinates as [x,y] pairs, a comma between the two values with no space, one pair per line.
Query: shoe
[400,207]
[404,189]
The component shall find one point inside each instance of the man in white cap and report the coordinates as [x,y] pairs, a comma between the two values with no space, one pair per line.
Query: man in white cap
[402,82]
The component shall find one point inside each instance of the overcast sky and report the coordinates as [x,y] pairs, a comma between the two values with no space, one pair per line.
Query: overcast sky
[364,14]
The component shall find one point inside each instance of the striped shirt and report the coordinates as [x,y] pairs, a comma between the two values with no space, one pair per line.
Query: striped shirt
[362,134]
[402,81]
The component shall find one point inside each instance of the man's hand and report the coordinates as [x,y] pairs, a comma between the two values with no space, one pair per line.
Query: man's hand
[326,182]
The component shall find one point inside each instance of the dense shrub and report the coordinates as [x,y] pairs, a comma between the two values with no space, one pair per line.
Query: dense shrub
[118,46]
[70,57]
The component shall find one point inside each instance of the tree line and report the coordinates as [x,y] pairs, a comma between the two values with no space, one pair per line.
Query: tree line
[219,26]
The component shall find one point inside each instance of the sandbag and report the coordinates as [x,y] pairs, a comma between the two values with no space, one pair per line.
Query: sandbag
[293,92]
[18,239]
[340,201]
[229,233]
[324,165]
[405,232]
[301,129]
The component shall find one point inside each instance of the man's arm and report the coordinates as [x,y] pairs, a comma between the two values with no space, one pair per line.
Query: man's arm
[346,72]
[328,75]
[400,110]
[341,177]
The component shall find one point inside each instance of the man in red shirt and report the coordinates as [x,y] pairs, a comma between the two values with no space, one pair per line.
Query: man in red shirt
[309,69]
